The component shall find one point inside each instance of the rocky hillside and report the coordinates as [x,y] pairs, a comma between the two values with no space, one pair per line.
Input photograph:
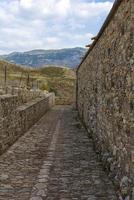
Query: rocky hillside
[38,58]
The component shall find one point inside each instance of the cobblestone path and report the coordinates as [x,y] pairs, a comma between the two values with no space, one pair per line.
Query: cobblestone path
[54,160]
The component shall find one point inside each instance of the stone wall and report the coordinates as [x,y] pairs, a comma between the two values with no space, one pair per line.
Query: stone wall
[15,120]
[8,103]
[24,94]
[105,95]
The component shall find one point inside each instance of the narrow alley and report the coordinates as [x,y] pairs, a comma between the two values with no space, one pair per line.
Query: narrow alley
[54,160]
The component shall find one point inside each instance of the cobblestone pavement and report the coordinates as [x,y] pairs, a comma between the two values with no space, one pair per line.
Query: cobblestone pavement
[54,160]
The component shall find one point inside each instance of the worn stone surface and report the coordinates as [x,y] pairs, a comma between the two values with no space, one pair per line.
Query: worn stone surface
[15,121]
[15,98]
[106,97]
[24,95]
[8,103]
[54,160]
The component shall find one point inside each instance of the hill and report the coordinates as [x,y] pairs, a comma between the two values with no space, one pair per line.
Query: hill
[60,80]
[37,58]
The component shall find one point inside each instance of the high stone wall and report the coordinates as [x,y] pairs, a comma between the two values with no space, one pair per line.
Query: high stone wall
[105,95]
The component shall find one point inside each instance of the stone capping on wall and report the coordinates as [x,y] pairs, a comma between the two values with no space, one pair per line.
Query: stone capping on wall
[106,23]
[15,123]
[33,102]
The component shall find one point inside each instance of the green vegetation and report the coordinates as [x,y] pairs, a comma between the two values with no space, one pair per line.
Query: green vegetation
[59,80]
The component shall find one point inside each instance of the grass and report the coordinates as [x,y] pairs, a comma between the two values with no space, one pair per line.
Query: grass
[60,80]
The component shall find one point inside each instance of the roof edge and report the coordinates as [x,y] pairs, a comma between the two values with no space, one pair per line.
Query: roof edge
[105,24]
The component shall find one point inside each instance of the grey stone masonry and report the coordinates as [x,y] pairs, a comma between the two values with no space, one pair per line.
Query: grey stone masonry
[8,103]
[16,119]
[54,160]
[105,95]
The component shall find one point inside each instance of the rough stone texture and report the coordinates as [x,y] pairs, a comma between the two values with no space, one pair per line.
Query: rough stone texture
[17,120]
[105,97]
[8,103]
[24,95]
[54,160]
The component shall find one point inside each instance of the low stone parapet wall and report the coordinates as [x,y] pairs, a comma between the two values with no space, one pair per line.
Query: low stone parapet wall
[20,119]
[9,102]
[24,94]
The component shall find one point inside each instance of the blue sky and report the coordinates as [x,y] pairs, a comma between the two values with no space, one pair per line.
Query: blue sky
[49,24]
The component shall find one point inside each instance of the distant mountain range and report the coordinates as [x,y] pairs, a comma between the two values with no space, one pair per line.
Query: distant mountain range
[37,58]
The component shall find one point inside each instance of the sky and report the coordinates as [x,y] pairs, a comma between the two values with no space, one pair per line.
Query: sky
[50,24]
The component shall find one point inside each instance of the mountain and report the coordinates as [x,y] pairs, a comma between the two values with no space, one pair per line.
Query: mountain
[37,58]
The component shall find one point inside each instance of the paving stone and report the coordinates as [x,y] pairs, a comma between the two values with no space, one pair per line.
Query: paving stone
[54,160]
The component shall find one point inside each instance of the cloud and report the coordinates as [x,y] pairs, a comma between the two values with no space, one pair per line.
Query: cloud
[90,10]
[26,3]
[45,8]
[30,24]
[63,7]
[52,40]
